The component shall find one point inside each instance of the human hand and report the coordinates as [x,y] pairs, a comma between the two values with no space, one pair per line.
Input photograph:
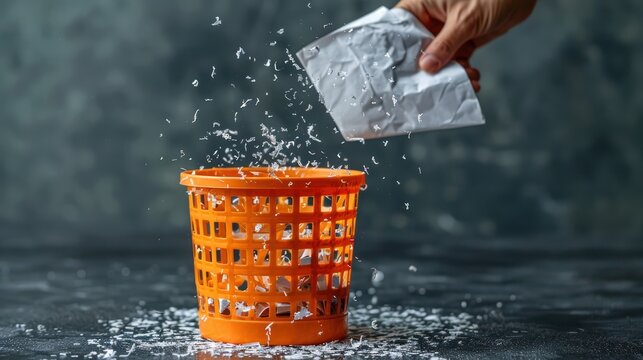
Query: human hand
[462,26]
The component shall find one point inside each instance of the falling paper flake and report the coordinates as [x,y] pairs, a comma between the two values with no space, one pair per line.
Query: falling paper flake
[244,103]
[195,83]
[310,133]
[268,332]
[217,21]
[377,277]
[412,268]
[406,205]
[267,64]
[374,162]
[280,31]
[214,72]
[195,116]
[240,52]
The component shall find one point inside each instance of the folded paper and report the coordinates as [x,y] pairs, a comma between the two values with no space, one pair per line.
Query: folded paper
[368,77]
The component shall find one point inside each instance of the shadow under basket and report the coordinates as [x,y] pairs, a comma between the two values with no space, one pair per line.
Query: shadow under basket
[273,250]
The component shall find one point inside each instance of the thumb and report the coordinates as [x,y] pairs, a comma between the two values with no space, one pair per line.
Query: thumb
[443,48]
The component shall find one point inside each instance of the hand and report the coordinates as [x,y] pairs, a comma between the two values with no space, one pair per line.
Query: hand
[462,26]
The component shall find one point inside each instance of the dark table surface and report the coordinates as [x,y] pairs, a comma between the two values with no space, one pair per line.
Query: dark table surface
[469,298]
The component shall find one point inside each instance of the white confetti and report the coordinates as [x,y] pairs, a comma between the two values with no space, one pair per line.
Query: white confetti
[240,52]
[377,277]
[302,314]
[245,102]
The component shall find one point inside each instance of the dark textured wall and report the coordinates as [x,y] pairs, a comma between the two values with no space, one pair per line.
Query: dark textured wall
[86,86]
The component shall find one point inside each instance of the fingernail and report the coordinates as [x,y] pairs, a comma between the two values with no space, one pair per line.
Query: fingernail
[429,62]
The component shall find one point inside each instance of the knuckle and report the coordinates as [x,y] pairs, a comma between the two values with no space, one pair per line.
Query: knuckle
[471,25]
[469,18]
[445,45]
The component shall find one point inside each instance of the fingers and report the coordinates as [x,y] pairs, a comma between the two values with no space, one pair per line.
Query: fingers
[417,9]
[442,49]
[472,73]
[475,85]
[454,39]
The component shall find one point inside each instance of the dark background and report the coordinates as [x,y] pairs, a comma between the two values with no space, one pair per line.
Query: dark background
[529,226]
[86,86]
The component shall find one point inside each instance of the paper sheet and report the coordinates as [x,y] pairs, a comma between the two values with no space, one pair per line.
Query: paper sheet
[368,77]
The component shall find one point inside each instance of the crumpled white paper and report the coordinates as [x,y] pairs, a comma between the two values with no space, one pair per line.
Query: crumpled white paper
[368,77]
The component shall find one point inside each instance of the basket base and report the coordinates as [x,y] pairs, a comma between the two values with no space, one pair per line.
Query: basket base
[300,332]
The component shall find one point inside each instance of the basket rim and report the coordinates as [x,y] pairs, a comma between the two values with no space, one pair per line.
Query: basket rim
[260,178]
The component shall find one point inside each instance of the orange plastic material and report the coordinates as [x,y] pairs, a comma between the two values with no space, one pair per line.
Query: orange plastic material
[272,252]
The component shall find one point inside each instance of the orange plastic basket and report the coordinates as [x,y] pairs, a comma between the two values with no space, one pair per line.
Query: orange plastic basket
[272,252]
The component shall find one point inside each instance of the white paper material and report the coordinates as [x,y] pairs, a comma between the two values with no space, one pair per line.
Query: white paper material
[368,77]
